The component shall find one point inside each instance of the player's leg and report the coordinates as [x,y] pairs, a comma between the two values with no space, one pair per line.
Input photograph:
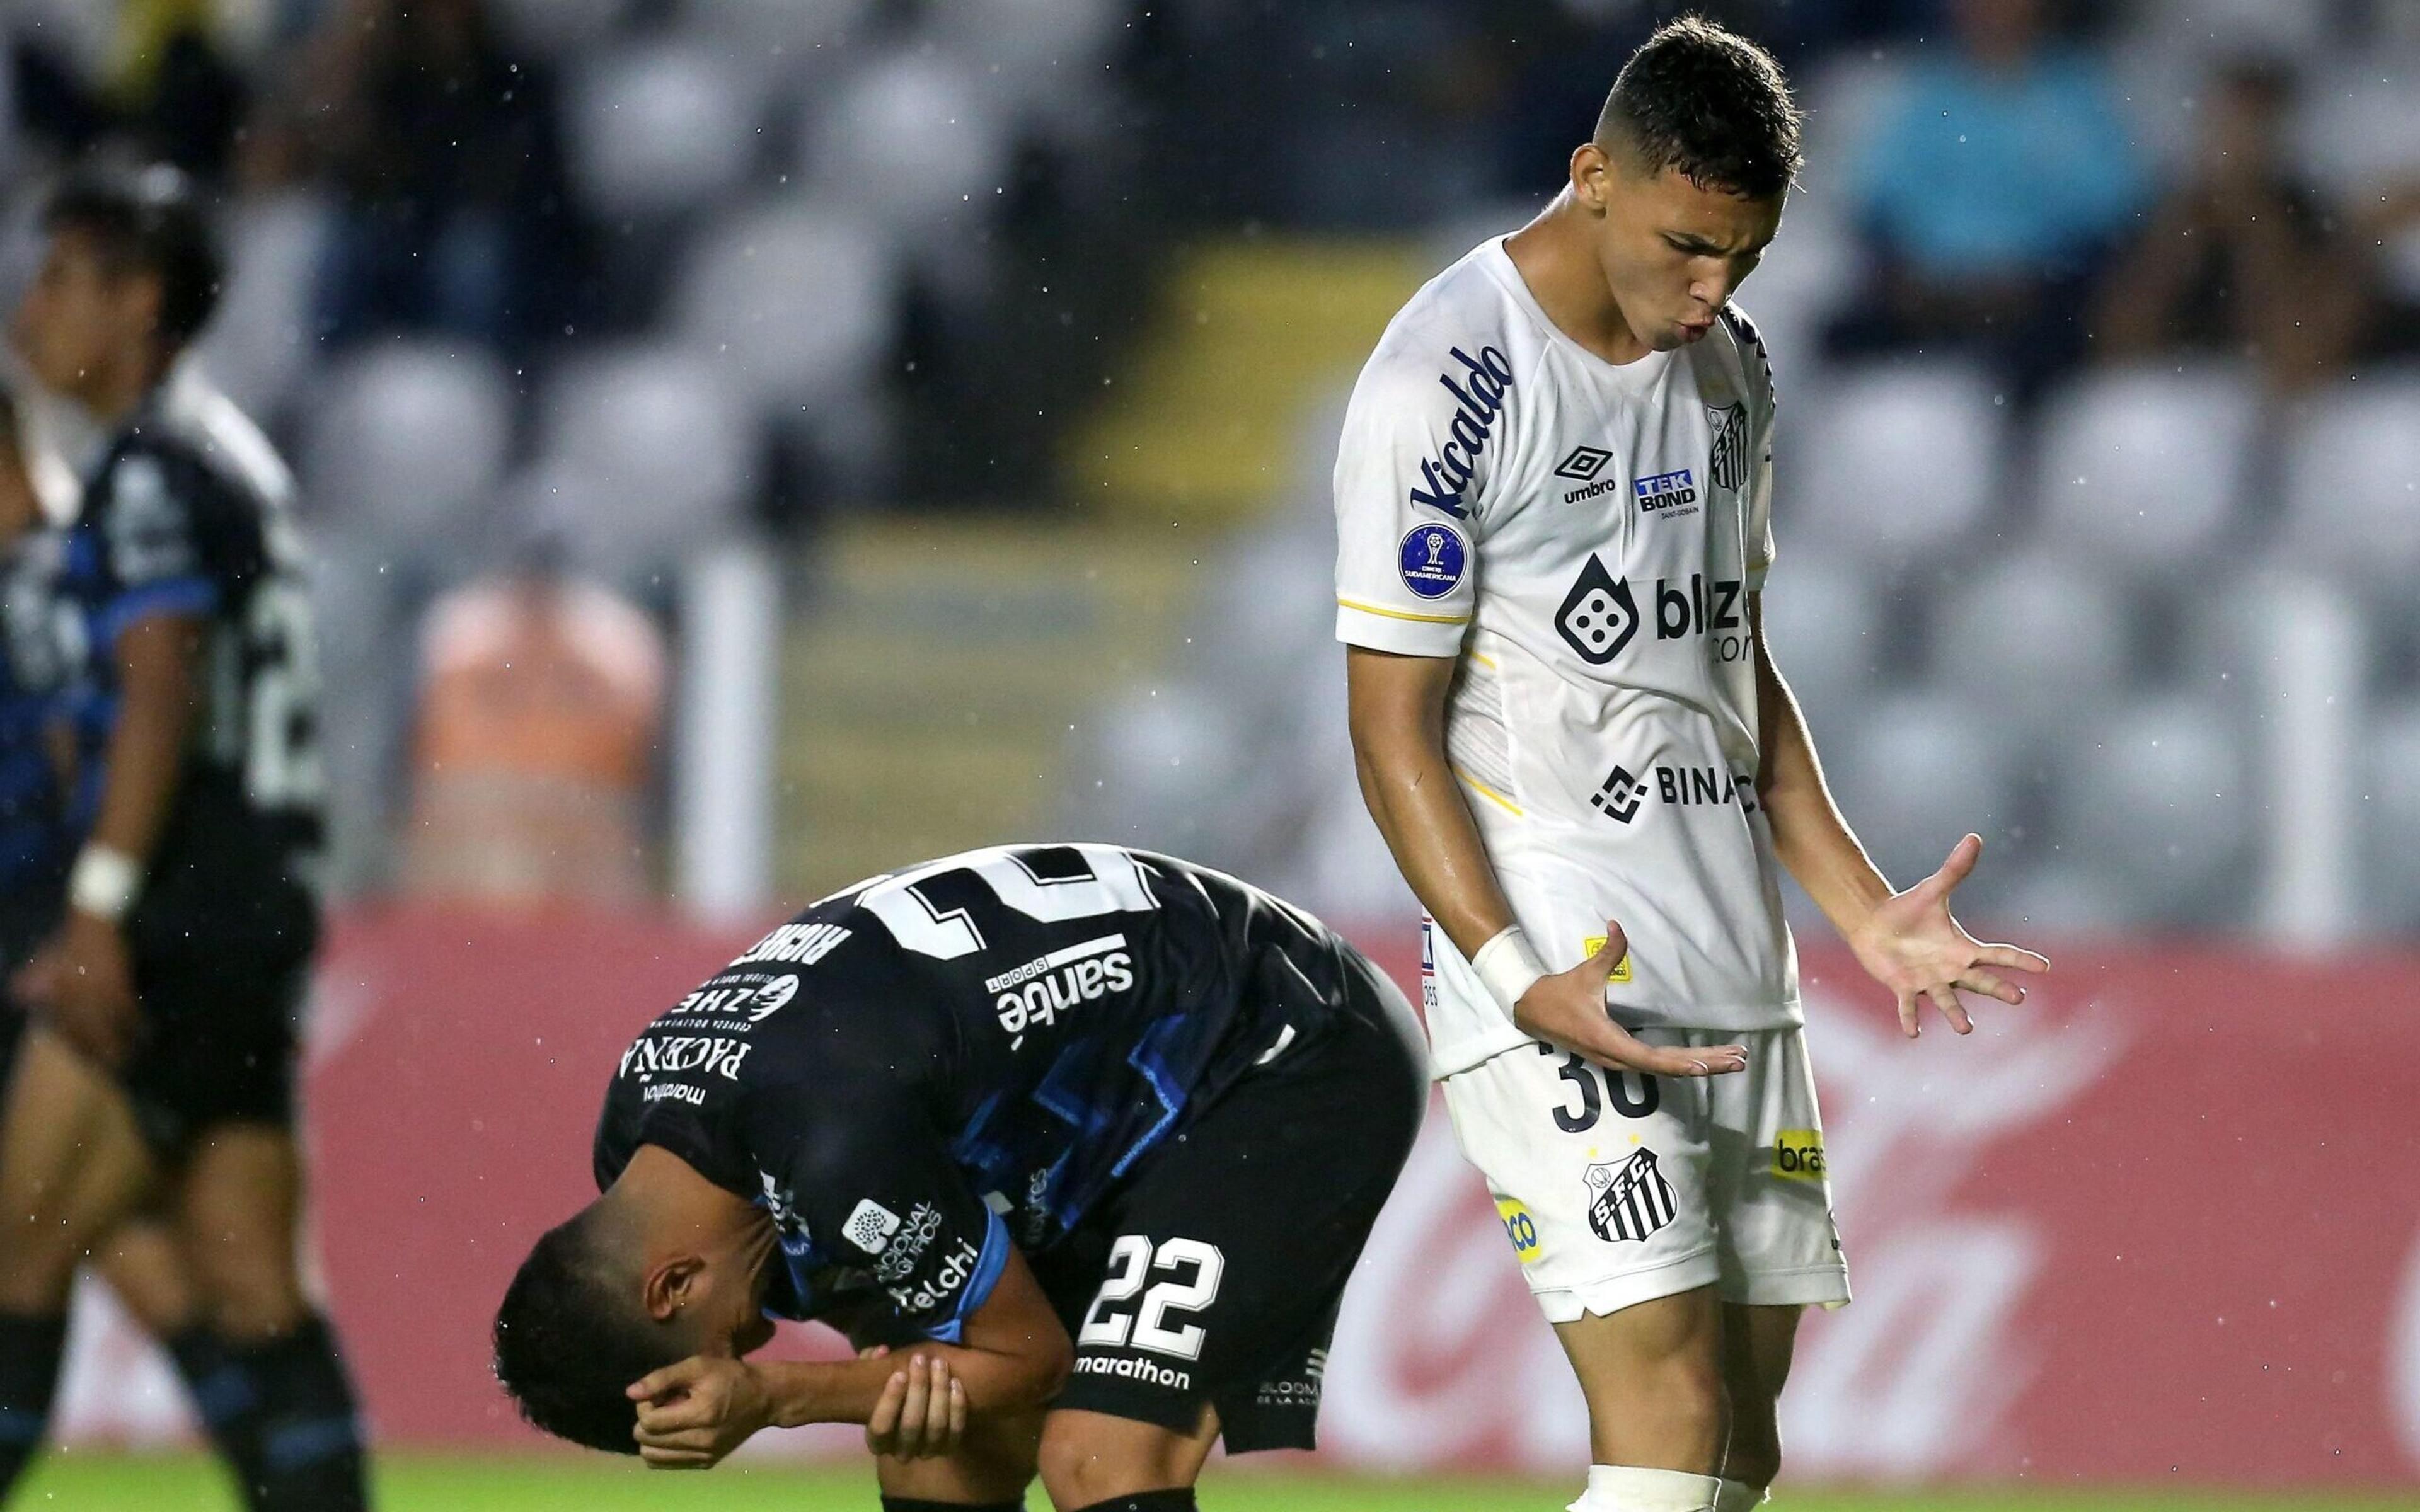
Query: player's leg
[1779,1247]
[1601,1178]
[217,1078]
[71,1162]
[1228,1254]
[990,1472]
[1757,1344]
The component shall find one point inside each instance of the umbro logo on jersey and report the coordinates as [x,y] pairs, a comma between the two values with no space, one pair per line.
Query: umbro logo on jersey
[1584,463]
[1479,403]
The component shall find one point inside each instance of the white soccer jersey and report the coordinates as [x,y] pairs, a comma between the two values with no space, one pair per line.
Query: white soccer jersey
[1582,536]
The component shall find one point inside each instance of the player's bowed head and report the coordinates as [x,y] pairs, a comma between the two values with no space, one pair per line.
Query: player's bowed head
[1676,194]
[664,1267]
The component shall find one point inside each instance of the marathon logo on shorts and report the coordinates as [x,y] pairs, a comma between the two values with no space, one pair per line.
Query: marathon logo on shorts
[1149,1372]
[1798,1154]
[1478,390]
[1630,1200]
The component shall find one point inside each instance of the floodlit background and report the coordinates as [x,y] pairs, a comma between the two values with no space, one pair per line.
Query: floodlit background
[751,443]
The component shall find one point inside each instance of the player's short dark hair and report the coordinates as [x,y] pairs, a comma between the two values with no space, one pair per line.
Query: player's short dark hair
[149,220]
[1709,103]
[571,1336]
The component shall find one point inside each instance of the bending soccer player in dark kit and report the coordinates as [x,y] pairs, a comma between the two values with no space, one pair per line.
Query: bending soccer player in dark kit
[158,1070]
[1078,1143]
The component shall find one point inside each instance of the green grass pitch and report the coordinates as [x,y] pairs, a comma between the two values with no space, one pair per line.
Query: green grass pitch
[93,1482]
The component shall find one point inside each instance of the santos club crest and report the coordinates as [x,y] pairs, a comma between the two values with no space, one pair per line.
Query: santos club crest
[1629,1200]
[1728,467]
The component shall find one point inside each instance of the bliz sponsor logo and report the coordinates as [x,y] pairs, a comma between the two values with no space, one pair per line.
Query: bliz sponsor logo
[682,1054]
[1600,615]
[797,945]
[1478,390]
[1666,493]
[953,1273]
[1036,992]
[1128,1367]
[1432,559]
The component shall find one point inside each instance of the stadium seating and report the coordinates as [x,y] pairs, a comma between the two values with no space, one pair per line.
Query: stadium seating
[2156,796]
[261,344]
[1968,781]
[652,447]
[1908,463]
[2144,468]
[2390,811]
[1824,620]
[406,440]
[2036,636]
[2353,482]
[793,300]
[657,131]
[912,141]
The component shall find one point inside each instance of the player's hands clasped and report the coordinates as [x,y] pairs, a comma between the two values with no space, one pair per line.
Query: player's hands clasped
[693,1412]
[1912,946]
[922,1413]
[1568,1008]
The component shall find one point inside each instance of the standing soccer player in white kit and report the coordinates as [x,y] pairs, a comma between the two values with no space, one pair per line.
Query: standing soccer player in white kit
[1553,498]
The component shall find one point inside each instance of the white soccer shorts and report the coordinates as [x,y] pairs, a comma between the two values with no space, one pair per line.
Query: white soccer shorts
[1619,1188]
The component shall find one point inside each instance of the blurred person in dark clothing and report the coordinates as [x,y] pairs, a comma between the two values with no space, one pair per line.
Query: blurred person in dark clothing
[168,86]
[1988,192]
[443,148]
[2244,257]
[158,1070]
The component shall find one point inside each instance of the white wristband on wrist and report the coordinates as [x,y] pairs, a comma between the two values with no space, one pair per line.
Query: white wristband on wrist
[103,882]
[1507,967]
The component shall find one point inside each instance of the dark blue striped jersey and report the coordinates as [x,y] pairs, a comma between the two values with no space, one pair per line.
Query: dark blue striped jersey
[917,1072]
[186,514]
[33,821]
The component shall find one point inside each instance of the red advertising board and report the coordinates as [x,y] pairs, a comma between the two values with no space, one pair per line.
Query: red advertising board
[2162,1224]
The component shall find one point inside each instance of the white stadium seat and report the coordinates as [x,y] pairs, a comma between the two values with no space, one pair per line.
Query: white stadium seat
[651,440]
[1896,461]
[262,339]
[405,440]
[794,302]
[2218,30]
[783,34]
[1917,771]
[559,28]
[2356,131]
[2144,466]
[1031,53]
[912,140]
[2353,482]
[658,131]
[2034,634]
[1825,619]
[2389,818]
[2157,796]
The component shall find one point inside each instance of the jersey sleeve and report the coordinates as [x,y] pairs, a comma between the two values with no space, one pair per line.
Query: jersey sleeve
[871,1206]
[148,529]
[1759,367]
[1410,470]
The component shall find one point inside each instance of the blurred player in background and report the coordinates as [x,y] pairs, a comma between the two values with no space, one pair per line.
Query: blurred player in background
[161,1067]
[1092,1138]
[1554,499]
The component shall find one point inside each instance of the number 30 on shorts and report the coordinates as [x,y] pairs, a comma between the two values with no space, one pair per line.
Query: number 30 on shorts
[1616,1084]
[1132,1260]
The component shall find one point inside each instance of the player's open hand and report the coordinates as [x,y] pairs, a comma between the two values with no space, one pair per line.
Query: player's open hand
[83,984]
[693,1414]
[1912,946]
[1568,1008]
[922,1413]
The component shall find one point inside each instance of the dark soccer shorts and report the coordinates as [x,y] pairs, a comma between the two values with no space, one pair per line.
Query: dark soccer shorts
[219,1044]
[1214,1275]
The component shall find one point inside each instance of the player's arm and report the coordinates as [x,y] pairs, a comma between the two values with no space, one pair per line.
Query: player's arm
[1397,707]
[1907,941]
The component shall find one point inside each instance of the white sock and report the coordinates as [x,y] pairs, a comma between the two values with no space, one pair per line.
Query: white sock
[1628,1489]
[1739,1496]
